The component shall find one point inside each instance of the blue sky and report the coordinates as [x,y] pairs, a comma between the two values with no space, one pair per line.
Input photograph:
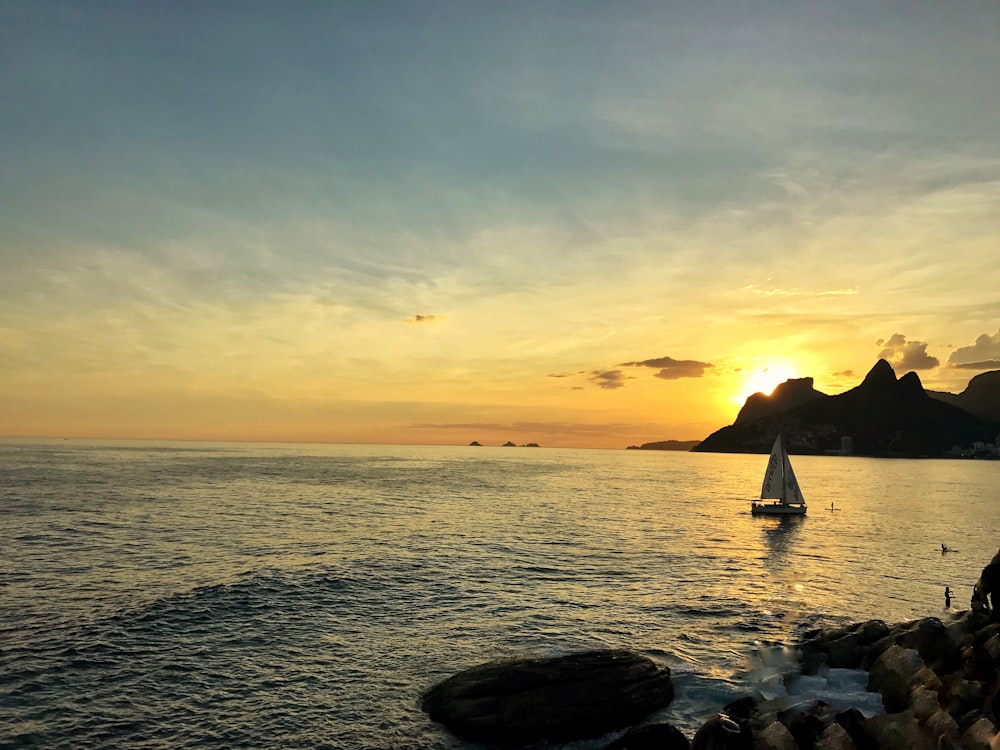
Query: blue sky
[368,221]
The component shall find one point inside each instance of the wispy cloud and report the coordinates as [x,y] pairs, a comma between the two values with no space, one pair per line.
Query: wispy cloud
[608,379]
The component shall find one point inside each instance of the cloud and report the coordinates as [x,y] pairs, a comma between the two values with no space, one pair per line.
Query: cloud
[424,318]
[983,355]
[907,355]
[672,369]
[778,292]
[844,374]
[609,379]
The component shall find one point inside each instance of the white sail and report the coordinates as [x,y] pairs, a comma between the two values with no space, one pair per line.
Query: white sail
[793,495]
[779,484]
[773,487]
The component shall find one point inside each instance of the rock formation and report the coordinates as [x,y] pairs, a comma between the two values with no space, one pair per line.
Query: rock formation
[939,682]
[550,699]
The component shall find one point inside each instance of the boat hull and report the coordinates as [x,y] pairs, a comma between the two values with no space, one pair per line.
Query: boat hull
[777,509]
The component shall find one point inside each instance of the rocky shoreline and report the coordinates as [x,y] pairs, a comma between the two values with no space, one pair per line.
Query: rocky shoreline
[939,682]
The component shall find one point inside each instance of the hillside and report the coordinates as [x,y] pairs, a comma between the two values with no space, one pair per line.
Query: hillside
[665,445]
[883,416]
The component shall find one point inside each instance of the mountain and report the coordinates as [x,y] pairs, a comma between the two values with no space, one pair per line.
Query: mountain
[882,416]
[787,396]
[981,396]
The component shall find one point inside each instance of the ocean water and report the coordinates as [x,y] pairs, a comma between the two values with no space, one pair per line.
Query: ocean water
[171,595]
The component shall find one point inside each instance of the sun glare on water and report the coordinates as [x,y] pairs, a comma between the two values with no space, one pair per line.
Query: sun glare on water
[763,379]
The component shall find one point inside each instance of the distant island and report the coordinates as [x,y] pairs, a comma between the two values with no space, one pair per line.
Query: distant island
[665,445]
[883,416]
[508,444]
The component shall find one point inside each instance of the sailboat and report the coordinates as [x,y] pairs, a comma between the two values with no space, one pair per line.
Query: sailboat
[781,486]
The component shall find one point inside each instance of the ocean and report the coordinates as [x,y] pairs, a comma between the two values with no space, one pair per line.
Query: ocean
[221,595]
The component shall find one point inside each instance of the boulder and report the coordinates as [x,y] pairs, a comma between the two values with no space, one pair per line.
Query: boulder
[898,731]
[960,696]
[553,698]
[654,736]
[891,675]
[942,726]
[924,703]
[835,737]
[723,732]
[775,736]
[854,723]
[979,736]
[841,647]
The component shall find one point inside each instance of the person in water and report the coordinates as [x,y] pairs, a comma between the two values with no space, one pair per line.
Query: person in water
[947,598]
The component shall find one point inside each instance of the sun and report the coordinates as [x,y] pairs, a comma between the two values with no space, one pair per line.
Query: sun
[763,378]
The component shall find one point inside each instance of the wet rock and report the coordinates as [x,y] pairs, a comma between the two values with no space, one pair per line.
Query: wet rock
[853,722]
[805,729]
[940,725]
[891,675]
[722,732]
[835,737]
[924,703]
[555,699]
[979,736]
[775,736]
[959,696]
[841,647]
[898,731]
[654,736]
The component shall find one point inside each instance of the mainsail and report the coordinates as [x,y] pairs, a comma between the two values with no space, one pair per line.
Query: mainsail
[779,479]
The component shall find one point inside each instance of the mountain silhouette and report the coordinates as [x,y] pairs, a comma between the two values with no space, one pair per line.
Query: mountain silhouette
[981,396]
[883,416]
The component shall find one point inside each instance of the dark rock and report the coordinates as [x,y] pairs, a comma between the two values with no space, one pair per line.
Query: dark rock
[655,736]
[722,732]
[935,645]
[775,736]
[898,731]
[555,699]
[959,695]
[943,726]
[853,722]
[806,729]
[741,710]
[841,647]
[980,735]
[835,737]
[892,675]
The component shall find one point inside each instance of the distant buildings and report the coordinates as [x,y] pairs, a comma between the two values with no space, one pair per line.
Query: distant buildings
[978,450]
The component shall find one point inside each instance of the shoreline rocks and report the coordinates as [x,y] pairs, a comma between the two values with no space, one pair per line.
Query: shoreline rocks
[939,683]
[550,699]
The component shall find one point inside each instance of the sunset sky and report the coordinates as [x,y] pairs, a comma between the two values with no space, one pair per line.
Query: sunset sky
[573,223]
